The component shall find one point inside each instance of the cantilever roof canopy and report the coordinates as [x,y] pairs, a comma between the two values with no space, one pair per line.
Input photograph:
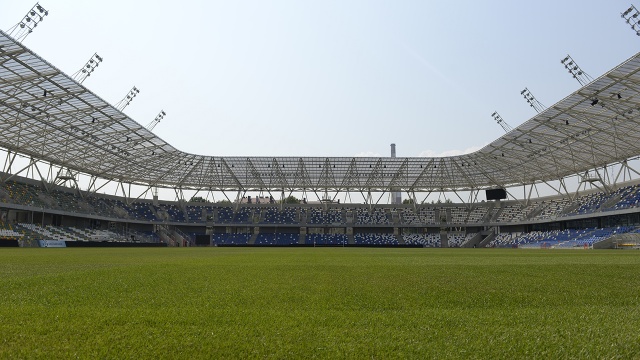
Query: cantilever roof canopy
[46,114]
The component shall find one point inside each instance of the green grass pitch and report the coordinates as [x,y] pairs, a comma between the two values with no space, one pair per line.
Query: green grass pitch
[289,303]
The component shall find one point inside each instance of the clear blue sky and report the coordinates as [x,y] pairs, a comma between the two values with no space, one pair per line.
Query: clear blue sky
[330,78]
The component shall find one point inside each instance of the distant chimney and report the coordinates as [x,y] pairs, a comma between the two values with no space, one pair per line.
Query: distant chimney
[396,196]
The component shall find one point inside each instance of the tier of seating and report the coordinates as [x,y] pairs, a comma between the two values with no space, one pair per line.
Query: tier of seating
[409,217]
[427,215]
[39,197]
[506,240]
[331,216]
[231,239]
[426,240]
[629,198]
[170,212]
[375,239]
[277,239]
[569,238]
[8,232]
[243,215]
[552,209]
[591,202]
[375,217]
[588,239]
[198,214]
[51,232]
[513,212]
[457,239]
[476,215]
[459,215]
[326,239]
[275,216]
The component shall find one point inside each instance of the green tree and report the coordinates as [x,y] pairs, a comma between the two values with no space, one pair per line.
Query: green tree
[292,200]
[198,199]
[407,201]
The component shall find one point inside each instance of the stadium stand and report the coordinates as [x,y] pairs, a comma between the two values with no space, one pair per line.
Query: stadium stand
[458,215]
[231,239]
[375,217]
[279,239]
[41,207]
[457,239]
[550,209]
[374,239]
[273,215]
[426,240]
[427,215]
[8,232]
[327,239]
[476,215]
[409,217]
[513,212]
[627,197]
[570,238]
[332,216]
[80,213]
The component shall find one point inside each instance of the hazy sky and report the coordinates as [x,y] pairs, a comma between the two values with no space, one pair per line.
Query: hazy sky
[330,78]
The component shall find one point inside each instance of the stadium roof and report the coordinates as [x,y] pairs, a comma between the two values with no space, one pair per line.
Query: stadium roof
[47,115]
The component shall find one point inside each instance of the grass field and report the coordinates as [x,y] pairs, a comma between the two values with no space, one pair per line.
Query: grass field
[319,303]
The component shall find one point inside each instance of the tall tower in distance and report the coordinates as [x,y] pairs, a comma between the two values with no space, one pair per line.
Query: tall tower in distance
[396,196]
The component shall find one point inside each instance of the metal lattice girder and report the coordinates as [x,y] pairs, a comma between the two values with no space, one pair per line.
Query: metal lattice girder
[47,115]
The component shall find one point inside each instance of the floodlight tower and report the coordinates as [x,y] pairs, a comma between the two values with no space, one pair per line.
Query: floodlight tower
[88,68]
[501,122]
[631,17]
[127,99]
[156,121]
[25,27]
[575,71]
[532,101]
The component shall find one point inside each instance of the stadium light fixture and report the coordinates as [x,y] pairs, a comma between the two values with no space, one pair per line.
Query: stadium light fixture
[156,121]
[532,101]
[575,71]
[28,23]
[127,99]
[501,122]
[631,17]
[88,68]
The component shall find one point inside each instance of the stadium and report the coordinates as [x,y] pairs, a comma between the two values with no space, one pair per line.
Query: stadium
[73,144]
[79,172]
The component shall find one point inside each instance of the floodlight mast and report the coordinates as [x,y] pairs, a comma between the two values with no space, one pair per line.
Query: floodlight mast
[156,121]
[532,101]
[21,30]
[631,18]
[575,71]
[501,122]
[88,68]
[127,99]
